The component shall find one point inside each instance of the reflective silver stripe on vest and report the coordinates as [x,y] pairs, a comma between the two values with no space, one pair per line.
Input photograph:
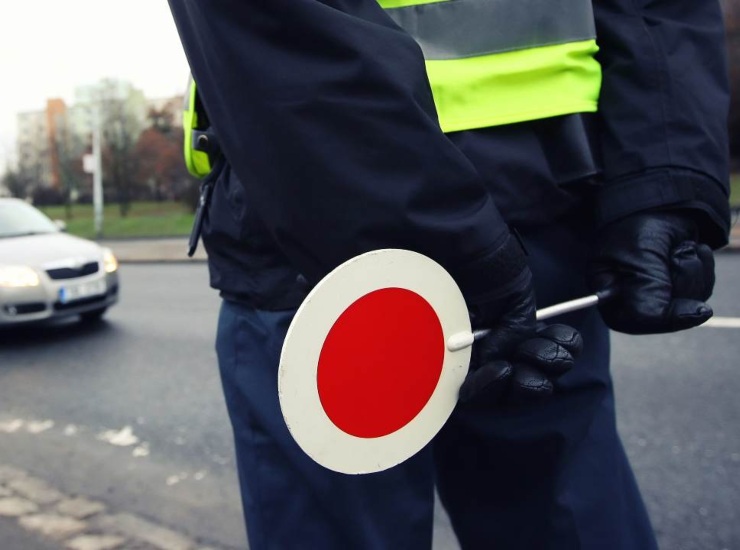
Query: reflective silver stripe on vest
[454,29]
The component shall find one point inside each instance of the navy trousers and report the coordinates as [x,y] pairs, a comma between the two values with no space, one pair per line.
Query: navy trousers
[550,476]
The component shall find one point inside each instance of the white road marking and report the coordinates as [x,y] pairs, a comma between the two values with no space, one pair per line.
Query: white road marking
[123,438]
[11,426]
[177,478]
[723,322]
[200,475]
[71,429]
[39,426]
[141,450]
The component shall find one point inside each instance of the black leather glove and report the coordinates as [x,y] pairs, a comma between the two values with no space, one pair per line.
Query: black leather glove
[517,360]
[657,273]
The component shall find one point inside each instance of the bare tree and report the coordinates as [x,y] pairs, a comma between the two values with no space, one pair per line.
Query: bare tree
[121,126]
[159,151]
[32,171]
[15,183]
[68,151]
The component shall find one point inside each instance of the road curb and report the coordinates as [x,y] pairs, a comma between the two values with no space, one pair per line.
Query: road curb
[170,249]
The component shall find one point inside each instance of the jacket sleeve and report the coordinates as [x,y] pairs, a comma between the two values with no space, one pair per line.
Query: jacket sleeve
[663,107]
[324,111]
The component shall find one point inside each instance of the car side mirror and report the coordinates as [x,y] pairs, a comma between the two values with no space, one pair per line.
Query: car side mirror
[61,224]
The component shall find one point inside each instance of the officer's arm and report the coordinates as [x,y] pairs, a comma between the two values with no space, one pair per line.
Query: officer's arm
[664,202]
[324,111]
[663,108]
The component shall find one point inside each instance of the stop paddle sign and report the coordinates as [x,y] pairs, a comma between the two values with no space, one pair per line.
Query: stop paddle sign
[374,358]
[366,378]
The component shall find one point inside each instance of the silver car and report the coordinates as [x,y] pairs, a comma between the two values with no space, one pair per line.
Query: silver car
[46,273]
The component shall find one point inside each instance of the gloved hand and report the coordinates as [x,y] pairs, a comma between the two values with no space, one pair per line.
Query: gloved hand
[518,360]
[658,274]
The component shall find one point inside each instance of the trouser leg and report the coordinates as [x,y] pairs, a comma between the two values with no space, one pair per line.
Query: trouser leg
[554,475]
[290,501]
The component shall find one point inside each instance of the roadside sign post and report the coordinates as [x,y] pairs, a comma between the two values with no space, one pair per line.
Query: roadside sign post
[97,172]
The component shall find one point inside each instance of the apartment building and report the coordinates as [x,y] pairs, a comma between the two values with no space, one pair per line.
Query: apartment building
[50,139]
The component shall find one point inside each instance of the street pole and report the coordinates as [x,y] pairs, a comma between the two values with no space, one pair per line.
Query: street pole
[97,174]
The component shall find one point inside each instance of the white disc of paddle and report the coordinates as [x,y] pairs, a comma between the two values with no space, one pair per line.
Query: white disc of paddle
[366,376]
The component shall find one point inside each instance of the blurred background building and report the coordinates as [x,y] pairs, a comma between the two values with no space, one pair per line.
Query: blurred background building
[141,147]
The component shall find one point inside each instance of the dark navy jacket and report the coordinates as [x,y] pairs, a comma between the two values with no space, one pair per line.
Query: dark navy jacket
[332,147]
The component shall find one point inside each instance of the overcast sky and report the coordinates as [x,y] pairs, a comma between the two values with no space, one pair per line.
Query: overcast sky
[48,47]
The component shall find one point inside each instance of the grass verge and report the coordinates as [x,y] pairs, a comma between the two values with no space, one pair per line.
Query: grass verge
[735,190]
[144,219]
[169,219]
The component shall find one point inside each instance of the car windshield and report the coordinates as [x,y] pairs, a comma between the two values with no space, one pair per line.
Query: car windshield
[18,218]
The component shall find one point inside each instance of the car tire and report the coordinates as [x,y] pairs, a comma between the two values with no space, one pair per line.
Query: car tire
[93,316]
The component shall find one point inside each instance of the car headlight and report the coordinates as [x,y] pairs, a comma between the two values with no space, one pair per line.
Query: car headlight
[18,276]
[110,264]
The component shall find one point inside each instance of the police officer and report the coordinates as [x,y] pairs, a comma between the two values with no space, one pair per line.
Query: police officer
[595,132]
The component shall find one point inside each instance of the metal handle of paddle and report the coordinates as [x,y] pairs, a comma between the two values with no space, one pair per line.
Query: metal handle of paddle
[460,341]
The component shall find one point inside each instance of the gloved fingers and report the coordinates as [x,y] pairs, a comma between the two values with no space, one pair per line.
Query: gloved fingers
[641,305]
[512,326]
[707,259]
[485,385]
[565,335]
[546,355]
[692,271]
[684,313]
[648,303]
[529,384]
[706,255]
[498,344]
[660,273]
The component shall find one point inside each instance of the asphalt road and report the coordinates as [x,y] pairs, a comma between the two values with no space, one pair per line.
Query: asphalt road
[148,373]
[129,414]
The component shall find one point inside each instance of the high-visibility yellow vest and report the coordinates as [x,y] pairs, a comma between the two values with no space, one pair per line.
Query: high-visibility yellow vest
[493,62]
[489,62]
[193,118]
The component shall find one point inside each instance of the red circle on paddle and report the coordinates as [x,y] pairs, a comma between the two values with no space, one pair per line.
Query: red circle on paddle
[380,363]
